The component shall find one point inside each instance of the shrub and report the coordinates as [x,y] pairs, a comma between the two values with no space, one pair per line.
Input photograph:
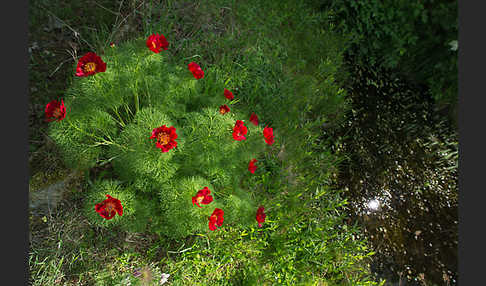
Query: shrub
[110,117]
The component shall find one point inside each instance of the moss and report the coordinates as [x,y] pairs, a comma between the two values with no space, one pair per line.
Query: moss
[41,180]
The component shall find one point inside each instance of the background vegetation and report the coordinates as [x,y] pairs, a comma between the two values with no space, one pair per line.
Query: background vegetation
[416,39]
[399,138]
[362,84]
[303,241]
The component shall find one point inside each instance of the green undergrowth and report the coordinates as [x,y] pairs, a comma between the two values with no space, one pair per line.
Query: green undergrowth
[281,64]
[309,246]
[59,31]
[418,40]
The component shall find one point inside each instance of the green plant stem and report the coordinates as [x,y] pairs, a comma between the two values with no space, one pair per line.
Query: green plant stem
[121,122]
[103,140]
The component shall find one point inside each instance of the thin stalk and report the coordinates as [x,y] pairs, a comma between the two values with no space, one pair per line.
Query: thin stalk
[102,141]
[121,122]
[137,102]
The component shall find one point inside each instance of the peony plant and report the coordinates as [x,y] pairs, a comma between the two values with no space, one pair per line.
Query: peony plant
[177,151]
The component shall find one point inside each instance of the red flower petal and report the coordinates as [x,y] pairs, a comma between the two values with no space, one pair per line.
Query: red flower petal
[268,134]
[207,199]
[269,140]
[212,222]
[267,131]
[196,70]
[239,131]
[228,94]
[212,225]
[156,42]
[98,207]
[104,214]
[165,137]
[260,216]
[195,201]
[109,207]
[55,111]
[90,64]
[203,196]
[223,109]
[219,213]
[205,191]
[251,166]
[254,119]
[118,205]
[216,218]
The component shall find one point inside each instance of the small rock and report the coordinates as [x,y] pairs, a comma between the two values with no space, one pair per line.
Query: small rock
[47,199]
[165,277]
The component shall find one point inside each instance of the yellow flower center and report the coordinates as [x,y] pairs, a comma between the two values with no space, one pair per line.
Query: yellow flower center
[163,138]
[153,45]
[57,112]
[90,67]
[222,110]
[199,199]
[109,207]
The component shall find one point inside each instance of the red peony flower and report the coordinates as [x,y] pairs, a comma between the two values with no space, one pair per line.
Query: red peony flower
[260,216]
[55,111]
[196,70]
[224,109]
[202,197]
[165,137]
[109,207]
[216,219]
[239,131]
[156,42]
[254,119]
[251,166]
[90,64]
[268,134]
[228,94]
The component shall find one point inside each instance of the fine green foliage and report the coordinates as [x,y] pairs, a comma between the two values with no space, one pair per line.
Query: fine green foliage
[183,217]
[97,194]
[210,137]
[135,157]
[302,250]
[111,116]
[82,137]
